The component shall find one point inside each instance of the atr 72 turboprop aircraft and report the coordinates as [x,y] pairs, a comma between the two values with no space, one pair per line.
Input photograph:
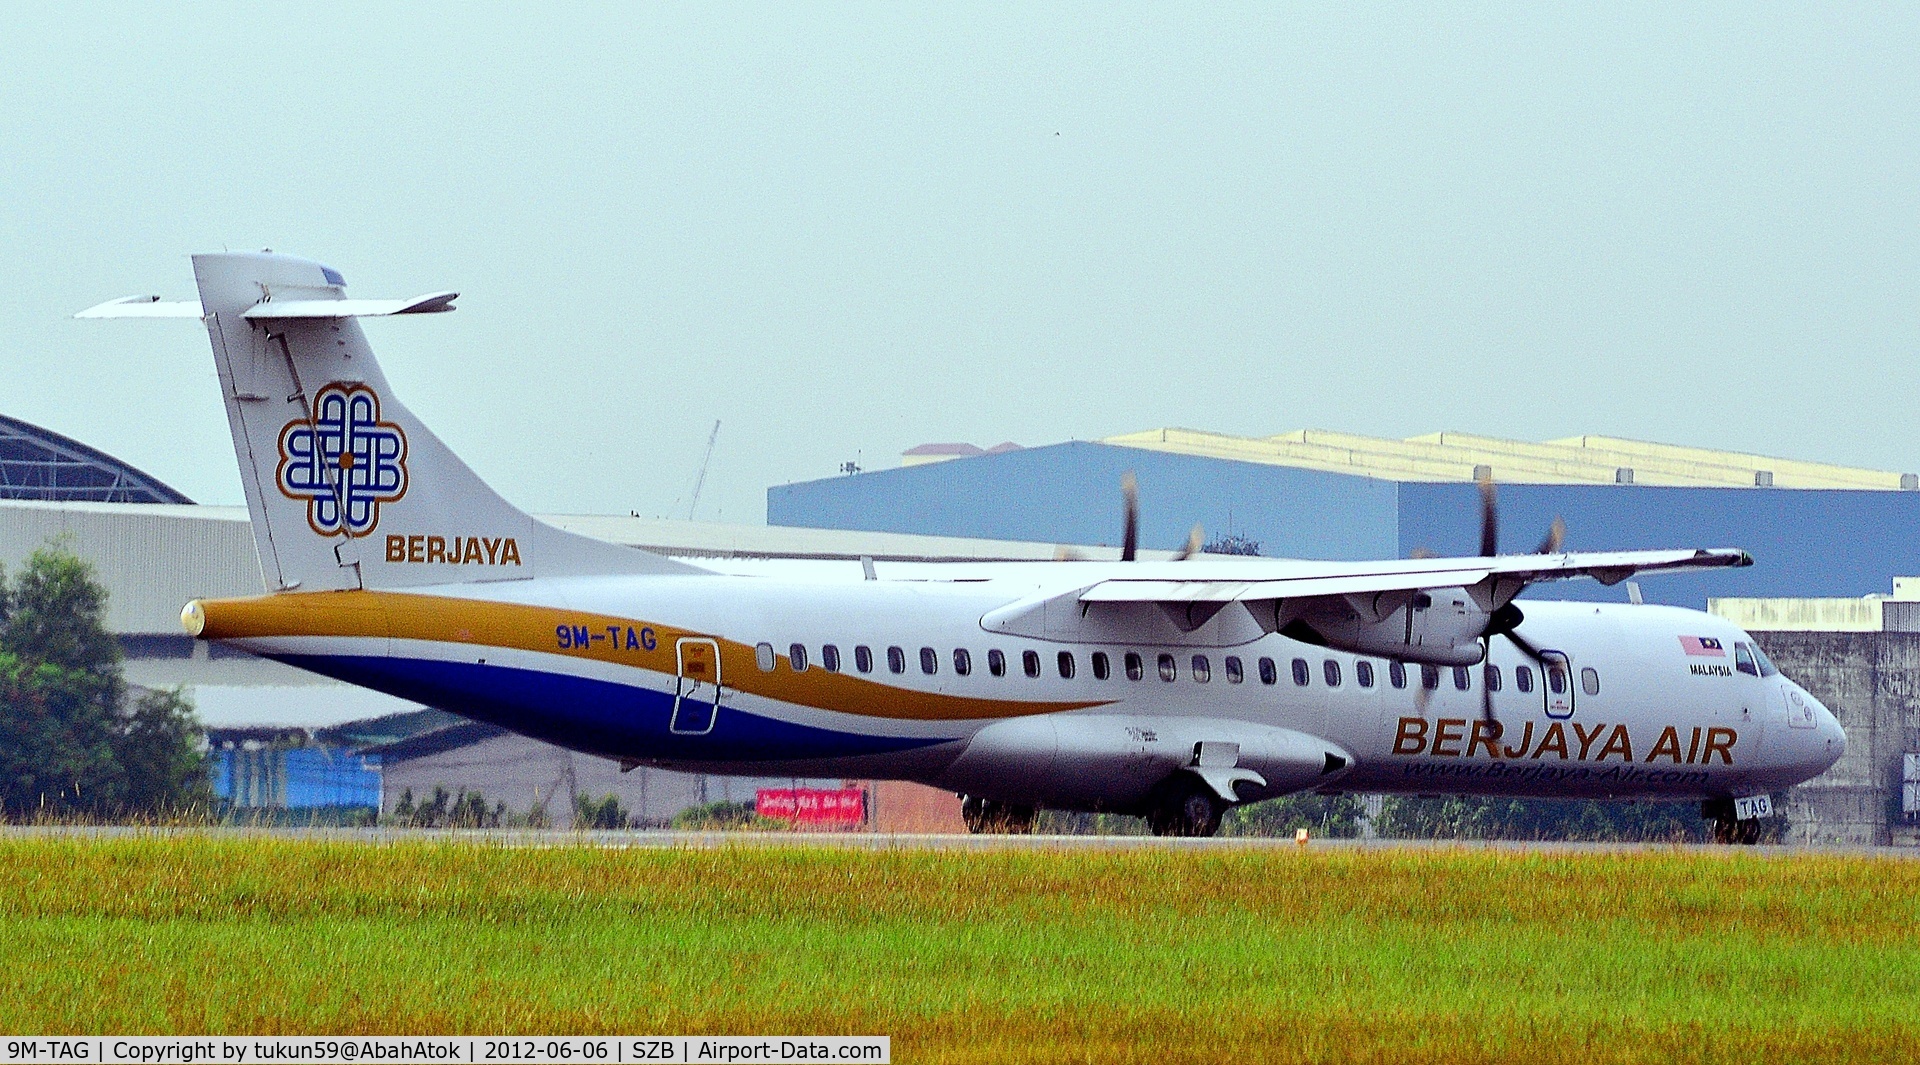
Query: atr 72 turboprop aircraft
[1169,689]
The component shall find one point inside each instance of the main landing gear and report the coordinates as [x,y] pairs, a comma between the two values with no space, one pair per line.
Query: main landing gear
[1184,806]
[1000,818]
[1726,827]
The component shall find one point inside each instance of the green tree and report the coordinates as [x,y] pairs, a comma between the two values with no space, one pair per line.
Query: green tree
[73,738]
[1321,815]
[1474,817]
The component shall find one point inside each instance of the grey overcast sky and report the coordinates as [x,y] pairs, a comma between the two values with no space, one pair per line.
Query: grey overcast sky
[846,230]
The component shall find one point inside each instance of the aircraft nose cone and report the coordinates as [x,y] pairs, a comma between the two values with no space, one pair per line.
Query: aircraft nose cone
[1830,740]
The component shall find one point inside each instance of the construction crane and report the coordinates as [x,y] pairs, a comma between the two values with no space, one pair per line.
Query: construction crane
[700,481]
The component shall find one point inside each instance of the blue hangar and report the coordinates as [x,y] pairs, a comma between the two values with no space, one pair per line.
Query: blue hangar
[1814,529]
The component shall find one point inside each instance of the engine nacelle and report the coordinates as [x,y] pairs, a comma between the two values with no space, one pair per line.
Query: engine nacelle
[1440,626]
[1113,761]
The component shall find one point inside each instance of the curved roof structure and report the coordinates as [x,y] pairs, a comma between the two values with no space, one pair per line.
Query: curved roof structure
[1453,456]
[36,463]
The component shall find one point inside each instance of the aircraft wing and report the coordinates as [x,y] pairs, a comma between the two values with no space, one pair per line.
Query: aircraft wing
[1507,573]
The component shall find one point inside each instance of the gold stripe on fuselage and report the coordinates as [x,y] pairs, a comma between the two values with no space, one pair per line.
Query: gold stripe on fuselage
[622,641]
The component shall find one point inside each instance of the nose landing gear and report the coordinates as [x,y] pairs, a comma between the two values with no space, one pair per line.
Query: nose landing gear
[1726,827]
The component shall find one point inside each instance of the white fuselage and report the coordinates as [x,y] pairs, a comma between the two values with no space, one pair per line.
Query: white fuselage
[1655,701]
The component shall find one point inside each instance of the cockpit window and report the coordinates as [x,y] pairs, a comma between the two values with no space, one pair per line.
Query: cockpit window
[1743,660]
[1767,668]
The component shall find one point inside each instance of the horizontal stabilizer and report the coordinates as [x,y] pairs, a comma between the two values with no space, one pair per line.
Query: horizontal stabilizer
[144,307]
[431,303]
[155,307]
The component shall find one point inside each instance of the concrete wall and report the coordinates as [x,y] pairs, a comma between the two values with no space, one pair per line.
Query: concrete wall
[1871,682]
[151,557]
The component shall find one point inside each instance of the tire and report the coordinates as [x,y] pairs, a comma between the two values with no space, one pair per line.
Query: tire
[973,811]
[1186,808]
[989,816]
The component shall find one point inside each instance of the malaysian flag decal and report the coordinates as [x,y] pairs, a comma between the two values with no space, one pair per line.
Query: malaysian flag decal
[1705,646]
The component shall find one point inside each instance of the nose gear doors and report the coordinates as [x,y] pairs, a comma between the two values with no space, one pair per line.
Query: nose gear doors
[696,697]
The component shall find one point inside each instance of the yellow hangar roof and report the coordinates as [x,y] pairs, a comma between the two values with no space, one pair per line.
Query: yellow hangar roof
[1450,456]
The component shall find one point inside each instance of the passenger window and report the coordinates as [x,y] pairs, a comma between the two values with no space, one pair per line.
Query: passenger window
[1363,673]
[863,658]
[1202,669]
[1235,674]
[896,660]
[1136,669]
[1493,677]
[1167,669]
[830,658]
[763,657]
[1030,663]
[996,663]
[1301,675]
[1331,670]
[1102,668]
[1557,680]
[1523,678]
[1269,674]
[1462,678]
[1743,660]
[962,661]
[1590,681]
[1430,677]
[1766,664]
[1065,663]
[929,661]
[1397,674]
[797,657]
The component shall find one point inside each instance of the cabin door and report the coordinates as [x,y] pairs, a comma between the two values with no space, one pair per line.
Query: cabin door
[696,697]
[1557,684]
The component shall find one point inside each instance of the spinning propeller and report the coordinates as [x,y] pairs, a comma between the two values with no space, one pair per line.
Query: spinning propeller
[1506,620]
[1130,525]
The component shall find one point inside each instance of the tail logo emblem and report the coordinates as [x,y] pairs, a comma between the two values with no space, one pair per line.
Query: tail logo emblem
[345,462]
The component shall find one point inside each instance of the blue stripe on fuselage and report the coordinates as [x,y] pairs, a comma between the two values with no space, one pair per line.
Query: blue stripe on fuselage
[616,720]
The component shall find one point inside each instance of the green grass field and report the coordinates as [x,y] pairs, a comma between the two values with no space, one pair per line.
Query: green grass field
[1126,955]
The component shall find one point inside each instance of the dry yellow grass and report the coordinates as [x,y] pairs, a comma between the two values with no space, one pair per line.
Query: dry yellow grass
[1139,955]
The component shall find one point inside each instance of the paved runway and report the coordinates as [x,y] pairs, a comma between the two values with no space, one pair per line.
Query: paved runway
[879,841]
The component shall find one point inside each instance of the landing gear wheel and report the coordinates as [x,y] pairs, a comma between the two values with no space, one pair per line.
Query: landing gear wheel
[1186,808]
[1719,814]
[991,816]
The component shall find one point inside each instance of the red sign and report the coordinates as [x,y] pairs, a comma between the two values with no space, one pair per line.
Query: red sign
[814,806]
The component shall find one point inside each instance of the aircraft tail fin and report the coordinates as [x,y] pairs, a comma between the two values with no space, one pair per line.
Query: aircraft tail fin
[346,488]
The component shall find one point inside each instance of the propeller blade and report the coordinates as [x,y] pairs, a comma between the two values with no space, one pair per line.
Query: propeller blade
[1486,690]
[1130,518]
[1192,546]
[1556,535]
[1526,648]
[1489,518]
